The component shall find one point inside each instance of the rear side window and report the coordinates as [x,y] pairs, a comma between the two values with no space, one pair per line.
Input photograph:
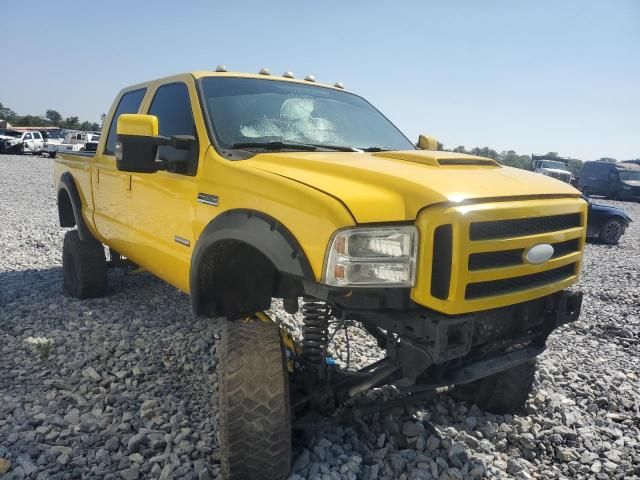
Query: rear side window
[129,103]
[172,107]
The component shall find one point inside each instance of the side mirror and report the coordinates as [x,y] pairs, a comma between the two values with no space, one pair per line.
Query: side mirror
[427,143]
[138,142]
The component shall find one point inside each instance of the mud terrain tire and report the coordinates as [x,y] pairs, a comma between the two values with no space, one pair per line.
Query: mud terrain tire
[253,398]
[504,392]
[84,267]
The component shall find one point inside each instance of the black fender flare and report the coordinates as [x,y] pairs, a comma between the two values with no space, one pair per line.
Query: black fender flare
[259,230]
[68,184]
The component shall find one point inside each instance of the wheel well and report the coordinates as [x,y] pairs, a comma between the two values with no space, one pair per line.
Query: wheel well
[618,218]
[65,209]
[234,280]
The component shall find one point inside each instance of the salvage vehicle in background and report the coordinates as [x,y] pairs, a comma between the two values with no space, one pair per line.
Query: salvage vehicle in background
[51,137]
[606,224]
[615,180]
[19,142]
[74,142]
[552,166]
[237,188]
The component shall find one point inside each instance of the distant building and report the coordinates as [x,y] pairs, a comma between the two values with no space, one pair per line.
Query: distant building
[4,124]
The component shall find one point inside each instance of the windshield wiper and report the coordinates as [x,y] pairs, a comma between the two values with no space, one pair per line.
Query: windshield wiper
[275,145]
[339,148]
[278,145]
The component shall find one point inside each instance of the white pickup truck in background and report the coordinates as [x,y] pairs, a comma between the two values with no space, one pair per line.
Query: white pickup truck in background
[75,142]
[555,167]
[52,137]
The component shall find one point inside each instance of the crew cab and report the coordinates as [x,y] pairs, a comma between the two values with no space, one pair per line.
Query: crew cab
[17,141]
[239,188]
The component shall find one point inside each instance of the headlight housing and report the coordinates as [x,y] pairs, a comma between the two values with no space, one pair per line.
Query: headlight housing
[370,257]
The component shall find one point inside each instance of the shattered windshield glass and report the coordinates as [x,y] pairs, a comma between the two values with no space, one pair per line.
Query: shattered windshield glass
[247,110]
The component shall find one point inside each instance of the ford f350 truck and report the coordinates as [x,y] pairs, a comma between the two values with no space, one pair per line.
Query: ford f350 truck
[240,188]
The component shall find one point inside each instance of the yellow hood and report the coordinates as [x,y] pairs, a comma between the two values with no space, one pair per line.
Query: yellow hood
[394,186]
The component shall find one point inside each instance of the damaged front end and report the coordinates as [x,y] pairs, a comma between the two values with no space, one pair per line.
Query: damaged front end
[10,145]
[428,352]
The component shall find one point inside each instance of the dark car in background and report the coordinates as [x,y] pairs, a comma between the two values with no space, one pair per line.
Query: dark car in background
[606,224]
[616,180]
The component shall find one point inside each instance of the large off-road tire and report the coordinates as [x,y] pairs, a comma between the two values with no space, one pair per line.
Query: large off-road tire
[504,392]
[84,267]
[254,408]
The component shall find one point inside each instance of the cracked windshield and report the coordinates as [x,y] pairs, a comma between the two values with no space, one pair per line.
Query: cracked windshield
[260,113]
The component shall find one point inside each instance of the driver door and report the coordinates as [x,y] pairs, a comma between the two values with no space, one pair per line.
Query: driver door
[162,203]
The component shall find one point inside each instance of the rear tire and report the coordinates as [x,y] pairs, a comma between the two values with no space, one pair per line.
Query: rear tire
[254,408]
[84,267]
[504,392]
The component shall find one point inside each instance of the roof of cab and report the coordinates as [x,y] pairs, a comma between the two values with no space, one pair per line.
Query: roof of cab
[207,73]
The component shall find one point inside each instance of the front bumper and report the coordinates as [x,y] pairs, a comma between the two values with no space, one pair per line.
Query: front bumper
[461,349]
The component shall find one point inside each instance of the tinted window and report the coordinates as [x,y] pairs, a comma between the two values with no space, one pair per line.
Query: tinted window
[129,103]
[37,135]
[27,136]
[171,105]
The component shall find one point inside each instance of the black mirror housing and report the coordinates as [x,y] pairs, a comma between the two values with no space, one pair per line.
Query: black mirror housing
[138,153]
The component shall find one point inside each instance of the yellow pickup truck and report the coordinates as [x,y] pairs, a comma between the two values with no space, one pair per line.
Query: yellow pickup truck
[240,188]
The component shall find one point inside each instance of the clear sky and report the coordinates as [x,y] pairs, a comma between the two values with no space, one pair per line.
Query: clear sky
[533,76]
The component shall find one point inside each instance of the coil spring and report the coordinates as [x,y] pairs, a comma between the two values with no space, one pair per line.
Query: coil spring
[315,330]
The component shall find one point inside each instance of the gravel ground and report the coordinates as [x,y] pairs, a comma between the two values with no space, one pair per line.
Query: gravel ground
[124,386]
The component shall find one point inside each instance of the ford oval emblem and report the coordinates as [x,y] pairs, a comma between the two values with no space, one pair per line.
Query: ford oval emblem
[539,253]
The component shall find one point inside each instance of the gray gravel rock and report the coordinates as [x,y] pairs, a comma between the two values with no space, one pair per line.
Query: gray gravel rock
[128,387]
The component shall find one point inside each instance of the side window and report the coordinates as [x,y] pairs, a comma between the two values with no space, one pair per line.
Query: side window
[129,103]
[602,172]
[27,136]
[172,107]
[37,135]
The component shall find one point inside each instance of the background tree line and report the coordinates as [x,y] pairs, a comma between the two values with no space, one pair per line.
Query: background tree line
[51,118]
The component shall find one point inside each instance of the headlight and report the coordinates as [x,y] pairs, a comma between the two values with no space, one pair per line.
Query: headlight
[366,257]
[626,187]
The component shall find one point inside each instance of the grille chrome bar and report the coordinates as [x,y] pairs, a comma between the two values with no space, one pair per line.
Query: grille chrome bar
[512,257]
[524,242]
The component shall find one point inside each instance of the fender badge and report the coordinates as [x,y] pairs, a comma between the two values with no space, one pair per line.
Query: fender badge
[539,253]
[208,199]
[181,240]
